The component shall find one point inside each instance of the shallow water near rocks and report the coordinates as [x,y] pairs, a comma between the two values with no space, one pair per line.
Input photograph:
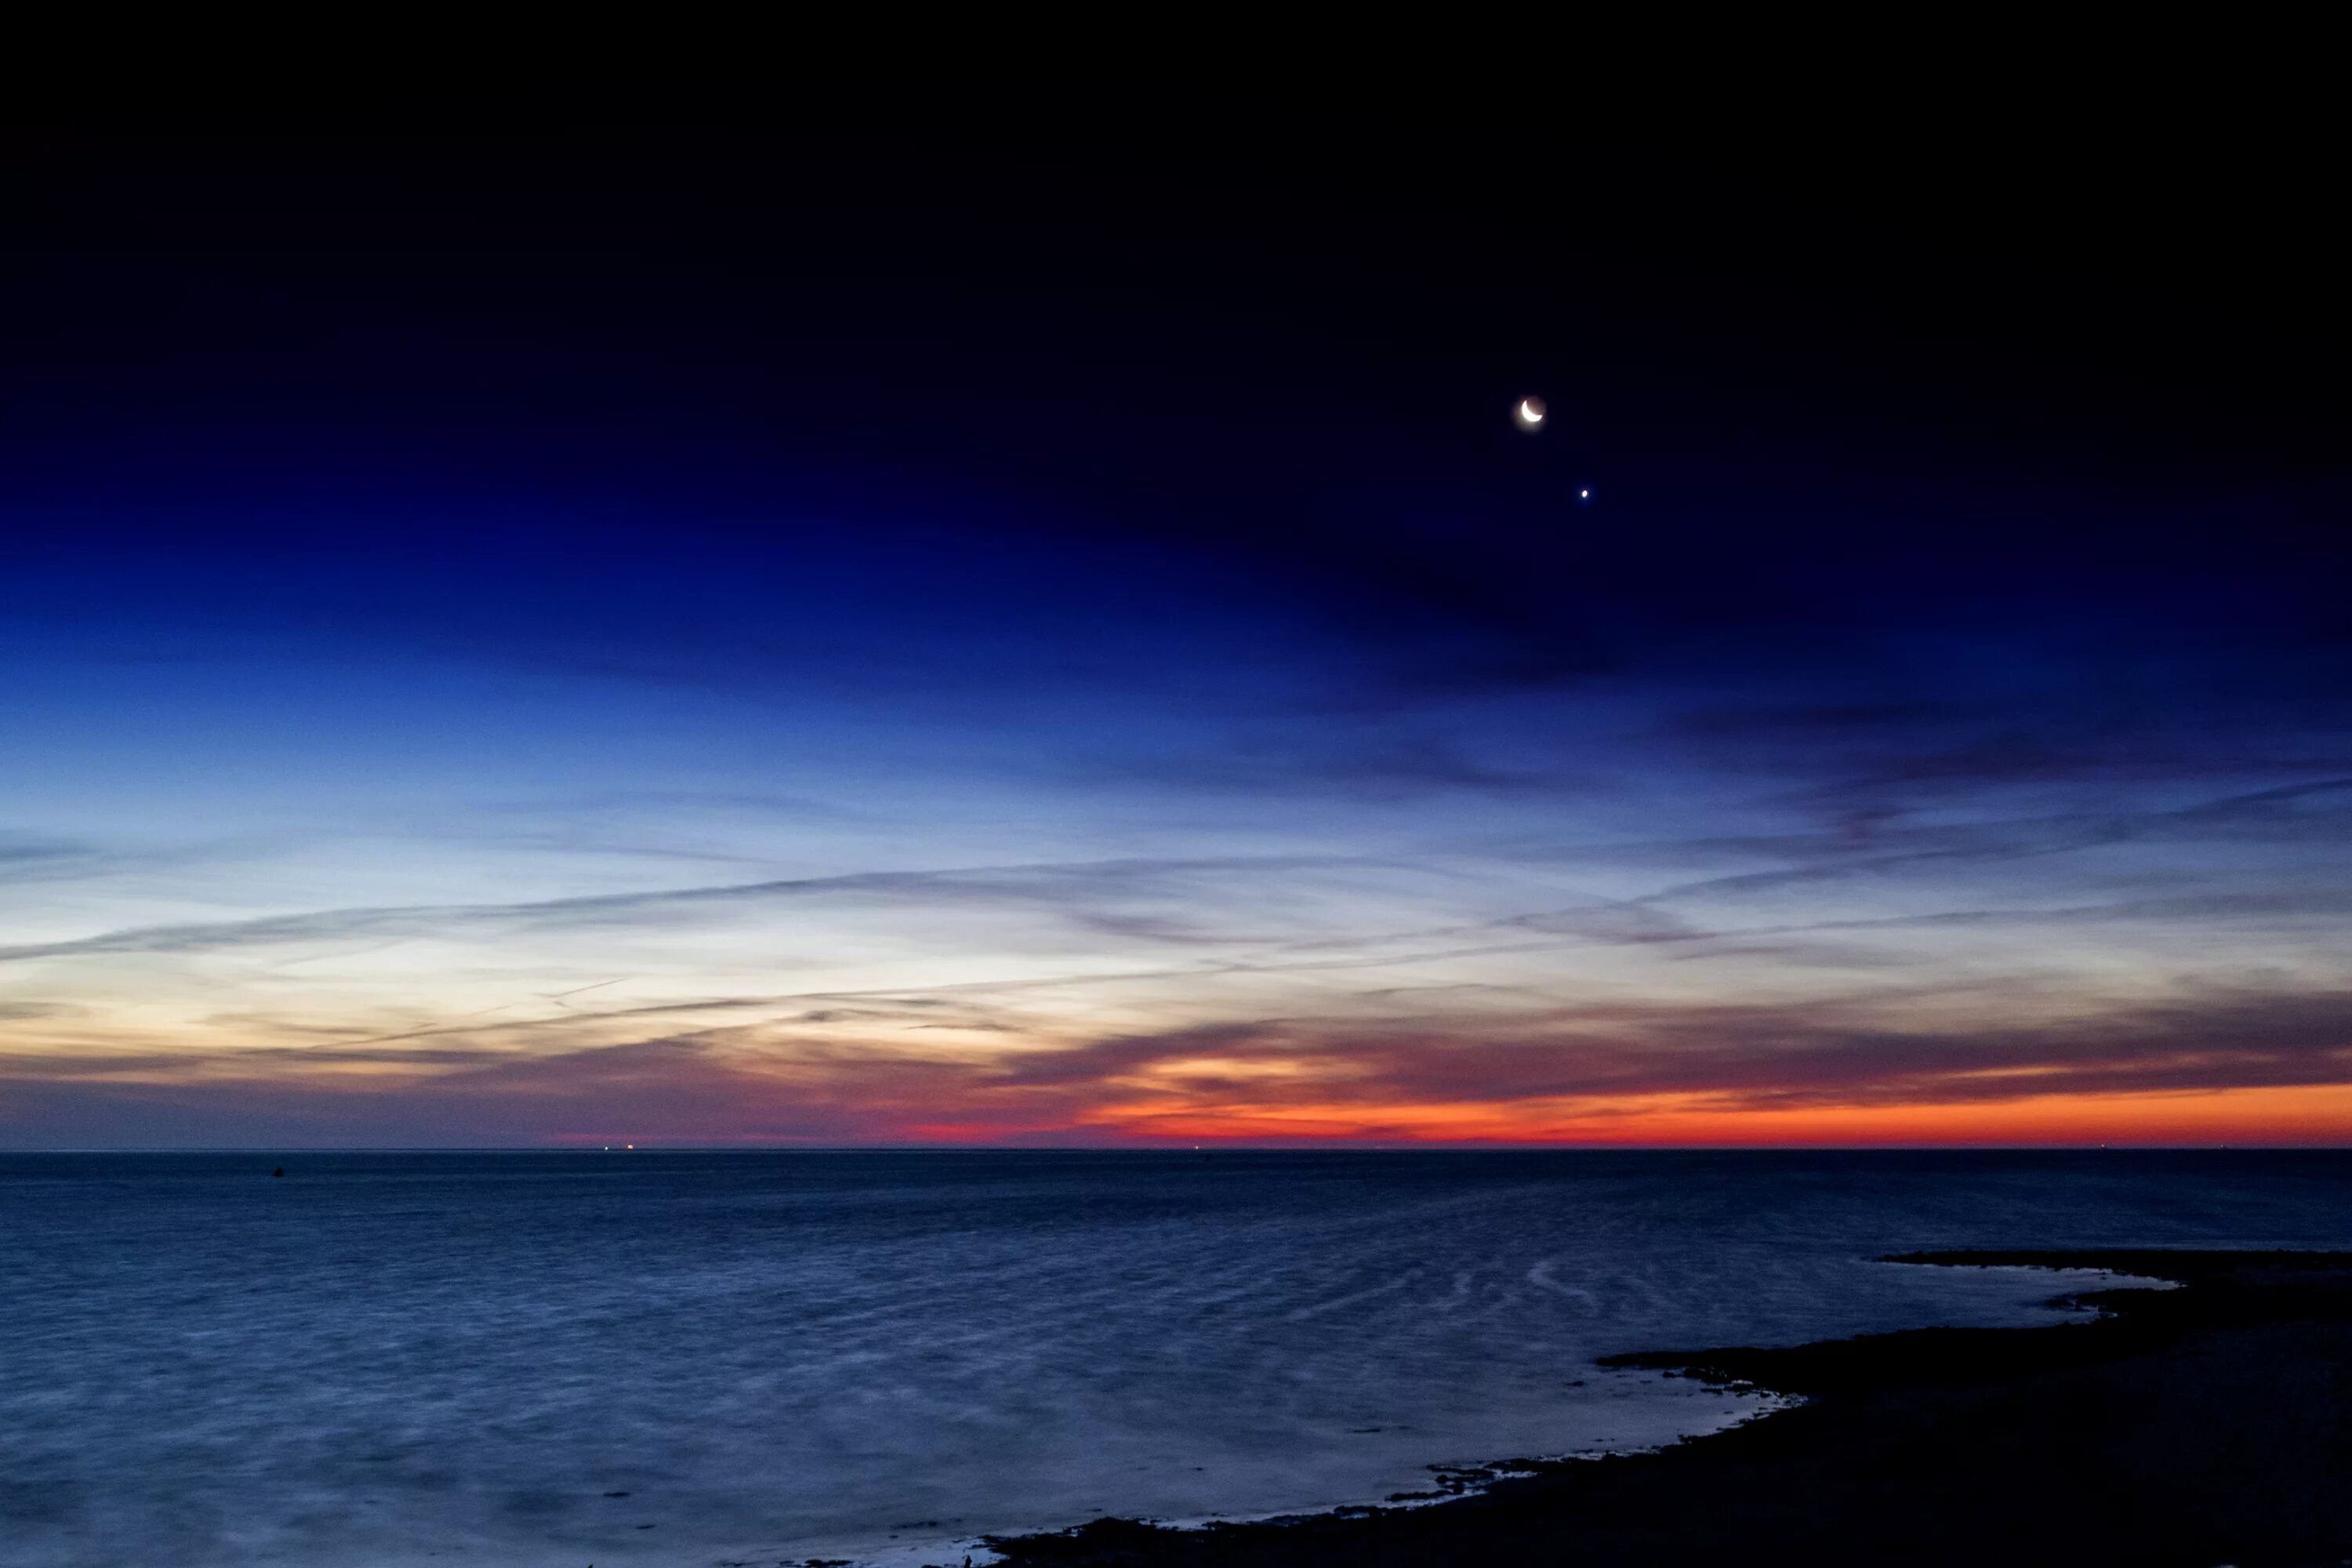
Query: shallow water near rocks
[695,1358]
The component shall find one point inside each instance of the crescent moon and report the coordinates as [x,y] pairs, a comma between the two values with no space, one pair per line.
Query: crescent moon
[1532,413]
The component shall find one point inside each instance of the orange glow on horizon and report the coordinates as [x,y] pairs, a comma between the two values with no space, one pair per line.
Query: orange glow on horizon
[2300,1114]
[709,1097]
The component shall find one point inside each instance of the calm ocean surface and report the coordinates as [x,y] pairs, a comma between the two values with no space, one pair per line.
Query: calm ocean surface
[690,1359]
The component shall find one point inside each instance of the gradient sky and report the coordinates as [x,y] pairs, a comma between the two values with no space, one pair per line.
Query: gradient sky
[814,640]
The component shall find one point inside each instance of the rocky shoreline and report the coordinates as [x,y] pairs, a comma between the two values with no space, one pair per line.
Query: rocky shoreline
[2203,1425]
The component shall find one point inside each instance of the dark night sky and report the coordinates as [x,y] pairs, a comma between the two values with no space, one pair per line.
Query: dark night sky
[829,636]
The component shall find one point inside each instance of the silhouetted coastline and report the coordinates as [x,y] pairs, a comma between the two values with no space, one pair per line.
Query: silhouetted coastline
[2207,1424]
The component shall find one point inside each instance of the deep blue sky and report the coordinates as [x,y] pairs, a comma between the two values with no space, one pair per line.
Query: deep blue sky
[827,637]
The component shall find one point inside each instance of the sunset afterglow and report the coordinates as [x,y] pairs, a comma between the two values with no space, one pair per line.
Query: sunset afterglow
[552,695]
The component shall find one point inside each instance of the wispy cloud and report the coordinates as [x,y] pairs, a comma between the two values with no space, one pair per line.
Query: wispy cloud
[1051,885]
[773,1081]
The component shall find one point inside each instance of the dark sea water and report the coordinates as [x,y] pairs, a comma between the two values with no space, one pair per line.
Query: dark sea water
[464,1358]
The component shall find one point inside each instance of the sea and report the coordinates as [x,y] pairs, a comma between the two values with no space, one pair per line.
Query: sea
[642,1357]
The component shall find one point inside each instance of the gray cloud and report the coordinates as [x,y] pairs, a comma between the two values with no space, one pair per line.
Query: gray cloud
[1804,1053]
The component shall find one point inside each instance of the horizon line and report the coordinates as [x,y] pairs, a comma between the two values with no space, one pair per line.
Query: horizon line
[1242,1148]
